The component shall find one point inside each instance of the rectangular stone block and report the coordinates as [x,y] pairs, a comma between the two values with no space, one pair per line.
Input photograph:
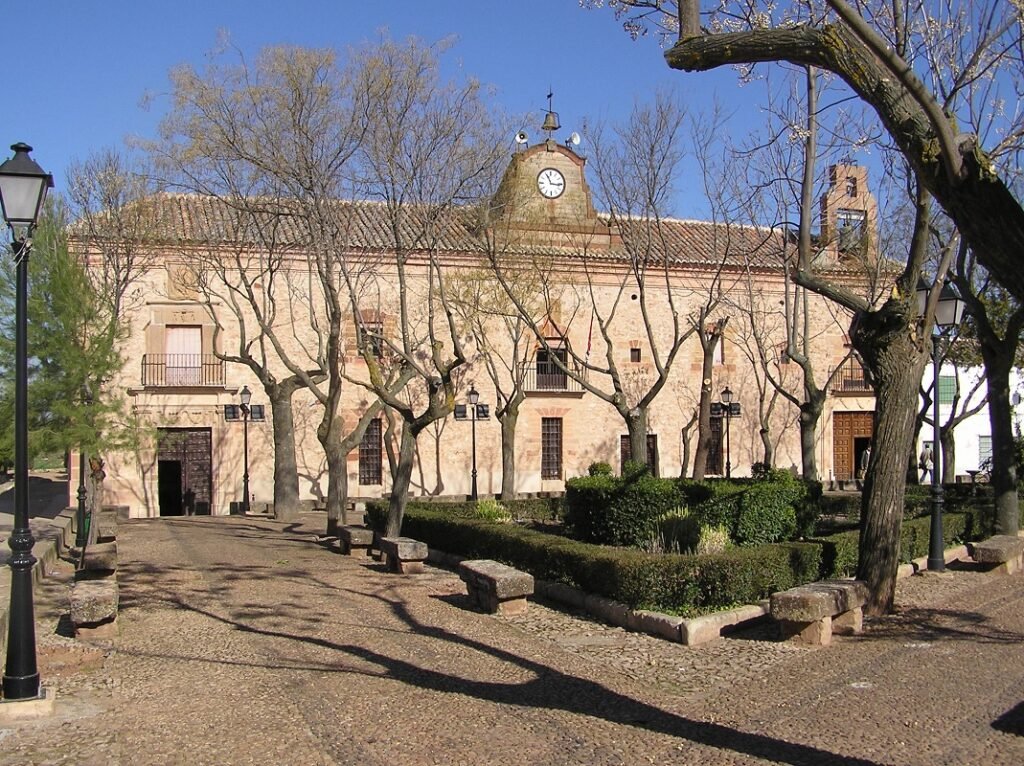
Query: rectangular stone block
[101,556]
[94,601]
[355,541]
[816,633]
[404,555]
[1004,552]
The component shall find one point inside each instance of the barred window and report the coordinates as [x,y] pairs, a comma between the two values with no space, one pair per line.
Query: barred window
[551,448]
[370,454]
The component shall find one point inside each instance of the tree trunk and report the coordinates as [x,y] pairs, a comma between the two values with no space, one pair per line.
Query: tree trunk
[337,478]
[636,427]
[286,472]
[700,456]
[896,360]
[1003,475]
[768,449]
[509,420]
[811,410]
[400,482]
[948,446]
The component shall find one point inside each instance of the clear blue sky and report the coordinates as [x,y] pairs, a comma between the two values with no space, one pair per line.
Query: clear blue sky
[82,69]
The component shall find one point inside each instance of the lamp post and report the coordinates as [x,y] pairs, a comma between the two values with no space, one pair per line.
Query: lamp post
[245,395]
[23,187]
[82,533]
[948,313]
[474,399]
[727,409]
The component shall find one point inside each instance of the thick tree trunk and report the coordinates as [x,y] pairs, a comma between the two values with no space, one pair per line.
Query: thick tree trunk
[948,446]
[636,427]
[767,448]
[401,482]
[896,360]
[509,420]
[700,456]
[337,479]
[286,473]
[811,410]
[1000,413]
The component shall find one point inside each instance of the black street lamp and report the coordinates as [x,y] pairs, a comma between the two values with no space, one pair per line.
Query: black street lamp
[82,533]
[727,411]
[245,396]
[474,399]
[948,313]
[23,187]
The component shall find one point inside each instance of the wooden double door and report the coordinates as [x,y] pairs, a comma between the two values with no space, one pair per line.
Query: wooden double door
[851,435]
[184,471]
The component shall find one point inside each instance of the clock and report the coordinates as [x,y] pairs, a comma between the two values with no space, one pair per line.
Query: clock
[550,183]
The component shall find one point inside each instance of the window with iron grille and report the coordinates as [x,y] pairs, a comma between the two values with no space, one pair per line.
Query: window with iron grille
[626,453]
[634,355]
[370,454]
[716,449]
[551,448]
[372,337]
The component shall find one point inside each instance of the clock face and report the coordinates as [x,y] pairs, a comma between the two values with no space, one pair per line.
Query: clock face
[550,183]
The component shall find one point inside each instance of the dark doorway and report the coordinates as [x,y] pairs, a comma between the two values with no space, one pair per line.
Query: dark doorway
[860,446]
[185,473]
[169,482]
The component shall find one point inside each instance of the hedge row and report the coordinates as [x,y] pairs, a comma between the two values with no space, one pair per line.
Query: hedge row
[680,584]
[670,583]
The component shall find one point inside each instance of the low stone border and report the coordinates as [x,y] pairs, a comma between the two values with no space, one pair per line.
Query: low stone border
[692,631]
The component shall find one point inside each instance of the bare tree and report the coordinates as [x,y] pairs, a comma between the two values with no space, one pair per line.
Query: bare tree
[271,144]
[431,147]
[921,91]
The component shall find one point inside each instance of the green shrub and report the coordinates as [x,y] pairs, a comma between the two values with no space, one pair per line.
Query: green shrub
[766,515]
[675,532]
[713,540]
[491,510]
[599,469]
[617,511]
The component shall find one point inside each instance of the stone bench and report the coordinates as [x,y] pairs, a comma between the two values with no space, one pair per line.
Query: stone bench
[355,541]
[496,588]
[100,557]
[94,607]
[809,614]
[1004,552]
[403,554]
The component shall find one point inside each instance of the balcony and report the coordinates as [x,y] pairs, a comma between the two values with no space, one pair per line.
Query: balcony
[177,370]
[540,379]
[852,378]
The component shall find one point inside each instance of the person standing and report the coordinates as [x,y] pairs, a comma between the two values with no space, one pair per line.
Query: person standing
[926,464]
[865,459]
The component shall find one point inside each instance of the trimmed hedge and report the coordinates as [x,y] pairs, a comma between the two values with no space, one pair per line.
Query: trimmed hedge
[618,511]
[672,583]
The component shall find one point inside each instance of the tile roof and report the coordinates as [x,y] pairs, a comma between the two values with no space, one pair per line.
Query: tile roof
[366,225]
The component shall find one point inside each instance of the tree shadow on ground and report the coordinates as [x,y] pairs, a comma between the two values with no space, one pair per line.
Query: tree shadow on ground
[1012,721]
[549,689]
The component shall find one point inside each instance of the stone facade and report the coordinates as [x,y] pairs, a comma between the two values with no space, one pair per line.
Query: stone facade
[190,454]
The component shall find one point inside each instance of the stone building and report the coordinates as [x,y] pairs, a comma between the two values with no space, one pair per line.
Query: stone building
[577,264]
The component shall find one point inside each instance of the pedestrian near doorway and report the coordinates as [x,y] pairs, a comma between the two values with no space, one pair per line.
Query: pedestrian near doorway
[926,463]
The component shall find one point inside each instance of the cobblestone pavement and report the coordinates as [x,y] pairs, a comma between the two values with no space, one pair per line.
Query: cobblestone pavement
[245,641]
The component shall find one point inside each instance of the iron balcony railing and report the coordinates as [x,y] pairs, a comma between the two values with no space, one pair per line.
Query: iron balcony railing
[852,378]
[547,378]
[182,370]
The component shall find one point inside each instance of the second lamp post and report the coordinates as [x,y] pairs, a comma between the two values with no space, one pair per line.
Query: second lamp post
[474,399]
[948,313]
[245,395]
[727,412]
